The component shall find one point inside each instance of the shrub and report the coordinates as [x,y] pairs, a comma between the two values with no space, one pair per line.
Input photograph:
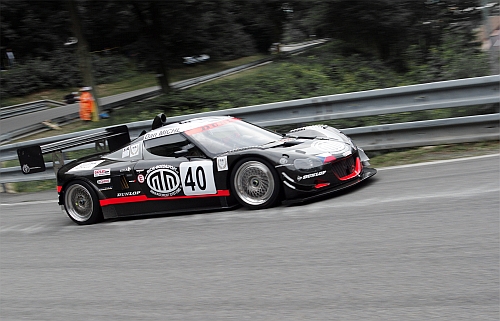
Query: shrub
[60,70]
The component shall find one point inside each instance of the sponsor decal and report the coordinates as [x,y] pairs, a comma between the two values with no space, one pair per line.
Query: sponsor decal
[107,188]
[86,166]
[134,150]
[163,180]
[130,151]
[160,133]
[222,163]
[104,181]
[102,172]
[140,178]
[128,169]
[299,178]
[126,152]
[283,160]
[133,193]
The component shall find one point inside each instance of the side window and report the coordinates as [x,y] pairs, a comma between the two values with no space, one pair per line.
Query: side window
[166,146]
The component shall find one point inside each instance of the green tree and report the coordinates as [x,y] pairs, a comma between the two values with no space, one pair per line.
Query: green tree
[388,27]
[264,20]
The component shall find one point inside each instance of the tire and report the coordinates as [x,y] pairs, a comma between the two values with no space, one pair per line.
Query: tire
[81,203]
[255,184]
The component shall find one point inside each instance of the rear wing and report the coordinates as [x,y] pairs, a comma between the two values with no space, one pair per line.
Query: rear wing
[31,157]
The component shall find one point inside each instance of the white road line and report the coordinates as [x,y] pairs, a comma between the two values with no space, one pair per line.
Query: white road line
[28,203]
[438,162]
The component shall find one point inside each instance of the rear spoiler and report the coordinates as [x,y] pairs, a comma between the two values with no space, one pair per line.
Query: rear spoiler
[31,157]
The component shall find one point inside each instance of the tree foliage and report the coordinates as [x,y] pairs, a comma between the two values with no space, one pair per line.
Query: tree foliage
[157,34]
[410,36]
[387,27]
[322,71]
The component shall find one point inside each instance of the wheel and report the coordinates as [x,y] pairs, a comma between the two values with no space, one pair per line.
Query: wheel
[255,184]
[81,203]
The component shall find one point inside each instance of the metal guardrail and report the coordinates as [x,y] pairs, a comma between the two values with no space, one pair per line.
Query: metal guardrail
[31,108]
[26,108]
[370,138]
[428,132]
[446,94]
[16,110]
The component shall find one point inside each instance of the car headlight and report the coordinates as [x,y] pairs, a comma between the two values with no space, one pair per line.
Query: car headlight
[307,163]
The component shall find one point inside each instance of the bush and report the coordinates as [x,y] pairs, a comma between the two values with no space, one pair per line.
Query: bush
[109,68]
[60,70]
[327,71]
[455,58]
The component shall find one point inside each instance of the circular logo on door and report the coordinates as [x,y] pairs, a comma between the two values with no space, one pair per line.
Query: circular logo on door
[163,180]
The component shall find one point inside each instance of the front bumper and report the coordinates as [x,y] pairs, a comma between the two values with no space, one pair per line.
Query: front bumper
[306,196]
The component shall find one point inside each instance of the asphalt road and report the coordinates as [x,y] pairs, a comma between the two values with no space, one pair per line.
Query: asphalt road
[414,243]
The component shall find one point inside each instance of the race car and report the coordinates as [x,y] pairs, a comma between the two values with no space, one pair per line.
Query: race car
[198,164]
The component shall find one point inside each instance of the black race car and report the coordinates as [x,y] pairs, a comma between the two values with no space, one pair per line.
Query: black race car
[199,164]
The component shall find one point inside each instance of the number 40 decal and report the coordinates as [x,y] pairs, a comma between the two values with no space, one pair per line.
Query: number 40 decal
[197,178]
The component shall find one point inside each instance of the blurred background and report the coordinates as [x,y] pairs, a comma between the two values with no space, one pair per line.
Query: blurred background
[51,49]
[69,44]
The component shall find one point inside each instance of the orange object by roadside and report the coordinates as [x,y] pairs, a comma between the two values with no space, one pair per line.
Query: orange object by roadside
[86,105]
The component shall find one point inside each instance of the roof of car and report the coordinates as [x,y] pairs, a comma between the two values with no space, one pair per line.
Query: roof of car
[191,125]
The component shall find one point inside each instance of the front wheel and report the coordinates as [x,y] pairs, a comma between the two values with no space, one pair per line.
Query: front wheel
[255,184]
[81,203]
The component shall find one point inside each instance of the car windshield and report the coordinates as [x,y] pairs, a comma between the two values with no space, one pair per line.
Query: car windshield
[230,134]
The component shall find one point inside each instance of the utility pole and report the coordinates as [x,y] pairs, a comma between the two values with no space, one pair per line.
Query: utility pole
[83,52]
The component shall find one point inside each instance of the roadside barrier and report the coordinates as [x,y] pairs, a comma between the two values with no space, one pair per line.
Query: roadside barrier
[446,94]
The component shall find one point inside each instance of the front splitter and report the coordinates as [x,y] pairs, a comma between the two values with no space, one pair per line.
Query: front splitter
[367,173]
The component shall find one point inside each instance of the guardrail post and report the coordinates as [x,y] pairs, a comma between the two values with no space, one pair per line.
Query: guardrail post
[7,188]
[57,160]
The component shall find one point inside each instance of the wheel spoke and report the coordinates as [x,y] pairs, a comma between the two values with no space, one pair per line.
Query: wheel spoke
[254,183]
[79,203]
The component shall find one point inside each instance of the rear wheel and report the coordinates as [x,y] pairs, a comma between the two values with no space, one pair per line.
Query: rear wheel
[255,184]
[81,203]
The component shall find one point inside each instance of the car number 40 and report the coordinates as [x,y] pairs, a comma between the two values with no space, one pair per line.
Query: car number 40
[197,178]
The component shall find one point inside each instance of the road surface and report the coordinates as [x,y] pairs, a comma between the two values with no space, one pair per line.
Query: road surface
[415,243]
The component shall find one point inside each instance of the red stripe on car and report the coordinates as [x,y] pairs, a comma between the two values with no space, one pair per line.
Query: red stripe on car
[144,198]
[209,126]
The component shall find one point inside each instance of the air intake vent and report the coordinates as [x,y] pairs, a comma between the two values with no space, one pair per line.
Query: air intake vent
[344,167]
[124,182]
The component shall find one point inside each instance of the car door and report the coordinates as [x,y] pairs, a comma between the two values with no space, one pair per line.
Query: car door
[175,176]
